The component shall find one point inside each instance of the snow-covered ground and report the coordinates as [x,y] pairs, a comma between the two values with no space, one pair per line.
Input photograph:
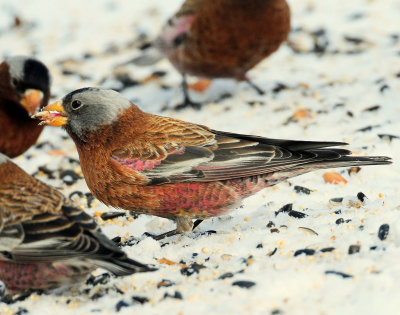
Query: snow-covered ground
[340,73]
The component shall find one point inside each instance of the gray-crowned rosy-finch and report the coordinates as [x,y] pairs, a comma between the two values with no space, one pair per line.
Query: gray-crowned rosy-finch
[45,241]
[24,89]
[175,169]
[221,39]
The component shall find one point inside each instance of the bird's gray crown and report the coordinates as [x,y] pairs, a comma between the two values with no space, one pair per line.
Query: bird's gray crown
[99,107]
[16,65]
[3,158]
[29,73]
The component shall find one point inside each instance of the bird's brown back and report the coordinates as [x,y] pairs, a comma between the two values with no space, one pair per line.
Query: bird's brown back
[229,37]
[33,198]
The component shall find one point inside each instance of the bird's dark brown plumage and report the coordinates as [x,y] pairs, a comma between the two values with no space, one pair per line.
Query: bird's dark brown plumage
[18,132]
[45,240]
[222,39]
[225,38]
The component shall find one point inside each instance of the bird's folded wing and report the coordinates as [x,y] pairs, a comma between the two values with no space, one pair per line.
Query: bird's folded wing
[25,197]
[49,237]
[227,156]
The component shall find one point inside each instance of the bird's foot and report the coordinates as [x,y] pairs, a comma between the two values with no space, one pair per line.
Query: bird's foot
[259,90]
[162,235]
[209,232]
[183,226]
[187,103]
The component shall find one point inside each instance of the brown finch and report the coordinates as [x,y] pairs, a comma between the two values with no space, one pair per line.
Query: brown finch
[175,169]
[221,39]
[24,89]
[45,241]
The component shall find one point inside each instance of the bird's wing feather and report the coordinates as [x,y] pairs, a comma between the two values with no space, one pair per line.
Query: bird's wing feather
[222,157]
[22,197]
[38,224]
[72,235]
[49,237]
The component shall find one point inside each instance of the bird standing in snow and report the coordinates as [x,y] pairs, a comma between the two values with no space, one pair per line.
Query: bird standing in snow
[175,169]
[45,241]
[221,39]
[24,89]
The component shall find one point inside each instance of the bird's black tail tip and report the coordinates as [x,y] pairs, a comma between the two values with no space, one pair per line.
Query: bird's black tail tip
[125,266]
[371,160]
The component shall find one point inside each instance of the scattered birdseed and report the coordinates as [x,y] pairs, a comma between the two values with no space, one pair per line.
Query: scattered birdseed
[272,253]
[338,273]
[69,177]
[306,251]
[339,221]
[121,304]
[302,190]
[140,299]
[368,128]
[286,208]
[165,283]
[372,108]
[361,196]
[307,230]
[333,178]
[104,278]
[354,170]
[226,275]
[338,200]
[297,214]
[383,231]
[388,137]
[327,249]
[244,284]
[193,268]
[353,249]
[112,215]
[177,295]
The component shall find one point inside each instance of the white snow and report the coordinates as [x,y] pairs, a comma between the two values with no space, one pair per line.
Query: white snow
[60,33]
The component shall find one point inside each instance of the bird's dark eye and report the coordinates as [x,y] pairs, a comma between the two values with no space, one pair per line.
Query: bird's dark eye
[15,82]
[76,104]
[179,40]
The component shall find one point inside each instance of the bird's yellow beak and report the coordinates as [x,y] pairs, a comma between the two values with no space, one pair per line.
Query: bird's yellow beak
[52,115]
[32,100]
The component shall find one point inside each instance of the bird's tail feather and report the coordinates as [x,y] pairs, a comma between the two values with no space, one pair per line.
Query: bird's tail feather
[123,266]
[346,161]
[149,57]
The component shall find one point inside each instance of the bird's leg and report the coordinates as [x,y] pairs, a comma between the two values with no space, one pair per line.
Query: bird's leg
[183,226]
[254,86]
[186,99]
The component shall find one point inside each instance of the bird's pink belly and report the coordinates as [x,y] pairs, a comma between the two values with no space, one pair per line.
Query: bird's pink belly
[19,277]
[198,200]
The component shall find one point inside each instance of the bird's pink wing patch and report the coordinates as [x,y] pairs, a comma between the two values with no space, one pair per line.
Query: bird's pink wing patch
[137,165]
[178,27]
